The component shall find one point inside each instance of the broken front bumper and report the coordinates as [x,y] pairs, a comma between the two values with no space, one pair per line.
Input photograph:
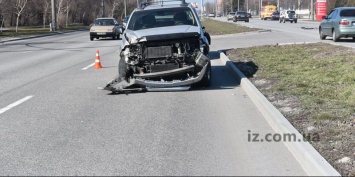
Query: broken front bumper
[143,81]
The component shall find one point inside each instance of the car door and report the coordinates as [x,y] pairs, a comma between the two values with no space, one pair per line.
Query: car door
[327,24]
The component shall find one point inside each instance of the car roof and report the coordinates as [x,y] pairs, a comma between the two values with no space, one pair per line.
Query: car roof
[105,18]
[344,8]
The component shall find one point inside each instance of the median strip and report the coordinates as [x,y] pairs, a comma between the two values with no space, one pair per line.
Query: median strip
[15,104]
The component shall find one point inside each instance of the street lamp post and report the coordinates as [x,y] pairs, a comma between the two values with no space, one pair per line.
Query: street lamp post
[125,8]
[53,27]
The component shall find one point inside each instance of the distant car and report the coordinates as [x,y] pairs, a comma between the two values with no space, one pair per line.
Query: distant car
[339,23]
[288,15]
[275,16]
[241,16]
[211,15]
[249,15]
[230,16]
[219,15]
[124,23]
[105,27]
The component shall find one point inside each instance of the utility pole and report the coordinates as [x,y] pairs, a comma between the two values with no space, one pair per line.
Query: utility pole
[53,25]
[238,5]
[247,5]
[312,10]
[278,5]
[231,5]
[102,9]
[125,8]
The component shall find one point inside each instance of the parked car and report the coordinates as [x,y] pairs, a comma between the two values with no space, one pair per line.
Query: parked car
[241,16]
[105,27]
[230,16]
[288,15]
[164,47]
[275,16]
[340,22]
[211,15]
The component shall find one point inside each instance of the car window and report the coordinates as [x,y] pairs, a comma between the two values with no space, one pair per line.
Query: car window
[331,13]
[104,22]
[161,18]
[347,13]
[241,13]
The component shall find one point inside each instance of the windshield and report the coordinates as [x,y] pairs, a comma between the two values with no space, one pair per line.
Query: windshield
[161,18]
[242,13]
[104,22]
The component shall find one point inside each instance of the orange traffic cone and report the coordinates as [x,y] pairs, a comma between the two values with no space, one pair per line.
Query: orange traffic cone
[97,61]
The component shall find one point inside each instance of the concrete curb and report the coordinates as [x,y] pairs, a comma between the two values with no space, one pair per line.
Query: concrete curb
[41,35]
[309,158]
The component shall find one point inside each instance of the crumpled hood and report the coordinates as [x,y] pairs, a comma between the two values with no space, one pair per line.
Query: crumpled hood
[141,34]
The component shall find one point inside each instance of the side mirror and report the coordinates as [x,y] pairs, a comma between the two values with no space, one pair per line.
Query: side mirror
[324,17]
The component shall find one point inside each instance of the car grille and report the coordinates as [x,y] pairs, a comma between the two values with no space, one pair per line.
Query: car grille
[158,52]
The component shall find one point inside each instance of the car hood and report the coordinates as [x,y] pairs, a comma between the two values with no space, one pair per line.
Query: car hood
[158,33]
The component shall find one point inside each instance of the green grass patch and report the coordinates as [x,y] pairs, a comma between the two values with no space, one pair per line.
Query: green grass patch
[321,76]
[30,31]
[214,27]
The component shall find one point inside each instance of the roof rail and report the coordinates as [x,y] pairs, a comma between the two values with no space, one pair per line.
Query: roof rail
[160,2]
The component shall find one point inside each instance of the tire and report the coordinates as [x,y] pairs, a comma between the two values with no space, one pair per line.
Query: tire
[335,38]
[291,21]
[295,21]
[91,38]
[247,21]
[118,36]
[353,38]
[207,78]
[113,37]
[321,35]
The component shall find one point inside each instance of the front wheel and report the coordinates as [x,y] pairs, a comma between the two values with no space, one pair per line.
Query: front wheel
[207,77]
[247,21]
[118,36]
[91,38]
[321,34]
[295,21]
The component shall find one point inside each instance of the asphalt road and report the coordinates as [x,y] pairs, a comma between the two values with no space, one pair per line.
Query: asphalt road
[55,120]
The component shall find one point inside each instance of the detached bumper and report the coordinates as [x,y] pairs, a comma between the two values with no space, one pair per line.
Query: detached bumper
[144,80]
[120,85]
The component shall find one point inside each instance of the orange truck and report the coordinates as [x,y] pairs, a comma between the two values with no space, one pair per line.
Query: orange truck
[266,11]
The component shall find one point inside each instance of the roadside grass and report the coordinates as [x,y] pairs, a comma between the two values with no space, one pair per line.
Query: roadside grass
[322,79]
[30,31]
[214,27]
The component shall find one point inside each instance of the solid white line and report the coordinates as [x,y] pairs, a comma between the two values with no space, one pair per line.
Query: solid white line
[15,104]
[88,66]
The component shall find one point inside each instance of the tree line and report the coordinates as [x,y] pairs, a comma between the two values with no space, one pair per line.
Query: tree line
[38,12]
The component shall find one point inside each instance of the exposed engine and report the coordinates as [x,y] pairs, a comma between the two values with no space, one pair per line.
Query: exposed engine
[161,55]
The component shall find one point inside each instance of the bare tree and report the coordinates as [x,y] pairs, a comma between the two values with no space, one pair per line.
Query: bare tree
[59,9]
[46,5]
[114,6]
[68,4]
[19,6]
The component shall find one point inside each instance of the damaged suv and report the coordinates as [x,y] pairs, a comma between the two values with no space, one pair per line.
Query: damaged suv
[164,47]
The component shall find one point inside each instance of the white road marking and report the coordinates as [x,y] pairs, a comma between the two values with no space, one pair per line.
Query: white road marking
[15,104]
[88,66]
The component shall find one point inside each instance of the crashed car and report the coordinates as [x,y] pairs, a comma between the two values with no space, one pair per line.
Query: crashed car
[164,48]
